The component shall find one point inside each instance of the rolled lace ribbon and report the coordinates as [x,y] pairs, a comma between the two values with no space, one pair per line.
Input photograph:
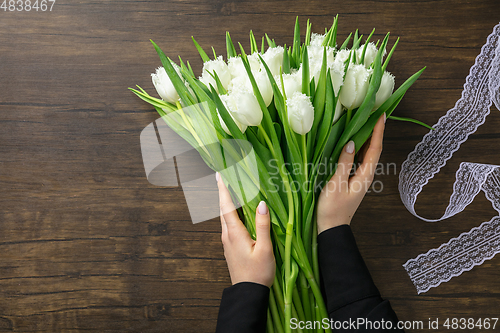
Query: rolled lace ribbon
[470,249]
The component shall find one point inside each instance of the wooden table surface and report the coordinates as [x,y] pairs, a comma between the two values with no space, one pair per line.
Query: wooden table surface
[87,244]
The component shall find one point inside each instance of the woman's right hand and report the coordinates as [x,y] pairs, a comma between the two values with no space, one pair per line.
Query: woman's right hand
[341,196]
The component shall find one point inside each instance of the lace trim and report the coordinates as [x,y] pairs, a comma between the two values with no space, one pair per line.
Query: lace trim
[481,89]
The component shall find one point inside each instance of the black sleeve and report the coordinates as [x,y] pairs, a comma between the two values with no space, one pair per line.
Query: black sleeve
[348,286]
[243,308]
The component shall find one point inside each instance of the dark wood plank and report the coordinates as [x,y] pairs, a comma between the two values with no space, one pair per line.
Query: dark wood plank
[87,244]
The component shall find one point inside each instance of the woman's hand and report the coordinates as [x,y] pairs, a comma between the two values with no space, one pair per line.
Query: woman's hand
[248,260]
[341,196]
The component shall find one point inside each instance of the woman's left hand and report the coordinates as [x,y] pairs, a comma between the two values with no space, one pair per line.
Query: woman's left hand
[248,260]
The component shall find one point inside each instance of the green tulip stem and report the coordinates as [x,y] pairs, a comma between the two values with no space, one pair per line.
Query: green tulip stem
[315,250]
[295,315]
[348,118]
[290,284]
[277,290]
[275,314]
[297,302]
[306,268]
[318,317]
[289,230]
[304,156]
[269,322]
[304,291]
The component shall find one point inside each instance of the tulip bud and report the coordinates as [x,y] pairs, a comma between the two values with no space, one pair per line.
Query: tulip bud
[219,66]
[370,54]
[316,39]
[244,107]
[339,111]
[242,82]
[274,59]
[316,60]
[342,55]
[385,90]
[243,128]
[164,86]
[265,88]
[355,86]
[292,82]
[254,61]
[300,113]
[236,67]
[337,75]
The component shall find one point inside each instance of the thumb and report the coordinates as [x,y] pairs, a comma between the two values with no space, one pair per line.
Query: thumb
[263,226]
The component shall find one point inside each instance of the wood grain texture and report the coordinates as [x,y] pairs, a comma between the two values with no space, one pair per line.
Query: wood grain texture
[87,244]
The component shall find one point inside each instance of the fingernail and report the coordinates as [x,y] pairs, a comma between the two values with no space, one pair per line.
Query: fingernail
[262,208]
[385,117]
[217,176]
[350,147]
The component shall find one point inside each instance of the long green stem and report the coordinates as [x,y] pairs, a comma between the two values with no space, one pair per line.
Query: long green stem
[318,317]
[306,267]
[289,280]
[298,305]
[304,291]
[279,294]
[314,246]
[295,315]
[269,322]
[304,157]
[289,233]
[275,314]
[313,306]
[348,117]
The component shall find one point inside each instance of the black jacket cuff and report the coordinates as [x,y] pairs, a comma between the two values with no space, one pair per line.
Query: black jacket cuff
[243,308]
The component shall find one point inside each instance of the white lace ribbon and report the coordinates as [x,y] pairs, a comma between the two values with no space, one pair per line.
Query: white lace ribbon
[461,254]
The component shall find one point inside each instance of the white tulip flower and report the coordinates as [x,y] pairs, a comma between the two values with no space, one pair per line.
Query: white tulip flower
[355,86]
[370,54]
[300,113]
[254,61]
[244,107]
[337,74]
[236,67]
[339,110]
[316,60]
[242,82]
[243,128]
[316,39]
[342,55]
[385,90]
[219,66]
[292,82]
[274,59]
[265,88]
[164,85]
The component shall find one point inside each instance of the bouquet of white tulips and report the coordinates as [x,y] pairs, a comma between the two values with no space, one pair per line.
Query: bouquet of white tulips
[292,110]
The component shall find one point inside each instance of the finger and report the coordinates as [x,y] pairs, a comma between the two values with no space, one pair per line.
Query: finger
[367,169]
[228,211]
[234,227]
[224,229]
[362,152]
[344,166]
[263,226]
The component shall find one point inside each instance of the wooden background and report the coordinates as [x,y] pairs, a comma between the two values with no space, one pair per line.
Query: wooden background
[87,244]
